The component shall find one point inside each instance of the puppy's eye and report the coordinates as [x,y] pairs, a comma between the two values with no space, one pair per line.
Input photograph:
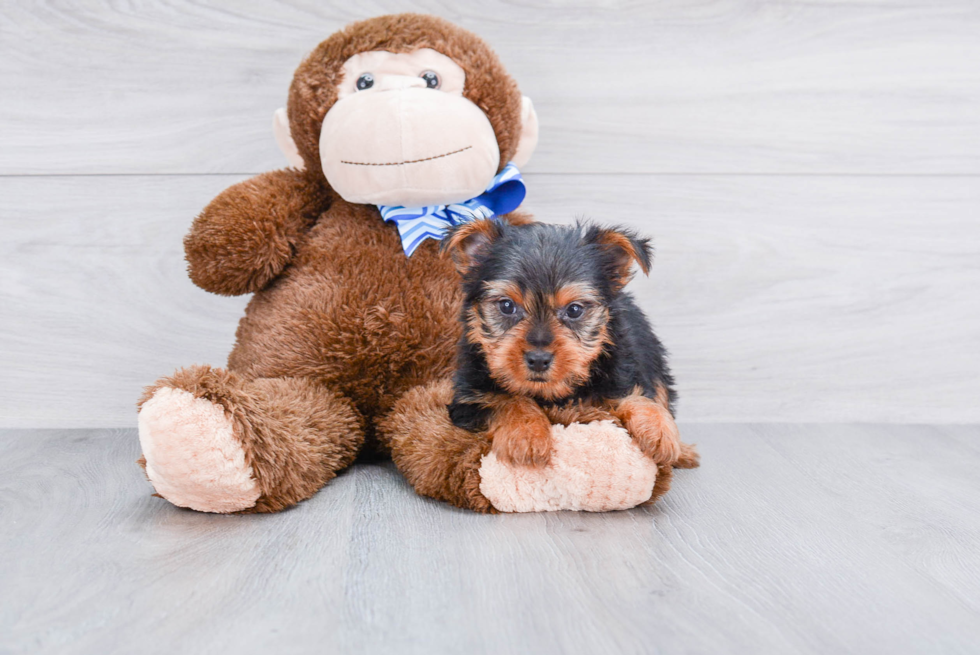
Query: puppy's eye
[507,307]
[365,81]
[431,79]
[574,311]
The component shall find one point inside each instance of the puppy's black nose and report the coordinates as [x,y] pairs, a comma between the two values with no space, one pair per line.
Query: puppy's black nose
[538,360]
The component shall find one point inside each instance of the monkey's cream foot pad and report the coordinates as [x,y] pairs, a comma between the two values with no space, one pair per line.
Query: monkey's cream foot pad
[594,467]
[193,457]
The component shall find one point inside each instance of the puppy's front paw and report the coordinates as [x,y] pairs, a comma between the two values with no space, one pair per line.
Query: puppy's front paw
[689,457]
[523,444]
[655,432]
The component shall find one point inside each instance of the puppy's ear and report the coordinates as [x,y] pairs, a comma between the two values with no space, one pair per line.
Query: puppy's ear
[470,242]
[622,247]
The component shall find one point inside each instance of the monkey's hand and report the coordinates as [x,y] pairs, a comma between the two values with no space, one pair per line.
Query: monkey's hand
[652,427]
[245,237]
[521,433]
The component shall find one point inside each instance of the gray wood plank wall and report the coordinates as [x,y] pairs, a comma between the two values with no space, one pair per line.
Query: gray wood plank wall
[810,172]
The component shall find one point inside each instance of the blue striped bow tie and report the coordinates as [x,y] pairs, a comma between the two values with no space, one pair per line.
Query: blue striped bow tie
[504,194]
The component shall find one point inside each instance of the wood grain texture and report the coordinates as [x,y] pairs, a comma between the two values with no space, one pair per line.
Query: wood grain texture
[789,539]
[780,298]
[729,86]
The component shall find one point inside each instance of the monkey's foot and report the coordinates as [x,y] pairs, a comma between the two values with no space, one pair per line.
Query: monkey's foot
[594,467]
[193,457]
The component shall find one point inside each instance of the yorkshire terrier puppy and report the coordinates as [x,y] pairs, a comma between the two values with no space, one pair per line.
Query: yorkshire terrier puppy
[550,335]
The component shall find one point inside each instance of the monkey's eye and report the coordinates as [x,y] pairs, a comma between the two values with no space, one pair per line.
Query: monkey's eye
[365,81]
[574,311]
[431,79]
[507,307]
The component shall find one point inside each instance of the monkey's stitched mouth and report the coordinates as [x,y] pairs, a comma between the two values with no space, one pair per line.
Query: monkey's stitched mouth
[402,163]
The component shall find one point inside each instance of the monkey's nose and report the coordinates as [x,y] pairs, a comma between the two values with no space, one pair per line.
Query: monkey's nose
[538,360]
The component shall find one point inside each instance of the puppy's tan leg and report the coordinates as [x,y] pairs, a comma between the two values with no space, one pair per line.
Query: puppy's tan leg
[651,425]
[521,432]
[689,459]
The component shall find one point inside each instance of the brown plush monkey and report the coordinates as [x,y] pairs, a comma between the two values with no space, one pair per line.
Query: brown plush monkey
[353,324]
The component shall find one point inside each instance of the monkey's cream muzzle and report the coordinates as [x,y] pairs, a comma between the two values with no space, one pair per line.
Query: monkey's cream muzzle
[402,144]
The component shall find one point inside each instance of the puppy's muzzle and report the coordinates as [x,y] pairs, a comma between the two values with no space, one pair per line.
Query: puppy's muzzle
[538,361]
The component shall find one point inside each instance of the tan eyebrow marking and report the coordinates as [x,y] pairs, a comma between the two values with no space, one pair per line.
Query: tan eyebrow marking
[572,292]
[506,288]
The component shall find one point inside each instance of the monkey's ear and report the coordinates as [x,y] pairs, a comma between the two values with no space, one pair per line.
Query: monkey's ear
[529,133]
[280,128]
[623,247]
[470,242]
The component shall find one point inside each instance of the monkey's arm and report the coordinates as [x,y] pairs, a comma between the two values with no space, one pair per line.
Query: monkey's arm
[245,237]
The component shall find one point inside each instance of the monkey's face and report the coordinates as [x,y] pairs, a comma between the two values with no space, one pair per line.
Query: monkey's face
[402,133]
[406,110]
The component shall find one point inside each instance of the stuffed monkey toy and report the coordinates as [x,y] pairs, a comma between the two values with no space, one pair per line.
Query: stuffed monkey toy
[397,128]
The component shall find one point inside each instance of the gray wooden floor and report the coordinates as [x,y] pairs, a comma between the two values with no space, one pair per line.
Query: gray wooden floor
[790,539]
